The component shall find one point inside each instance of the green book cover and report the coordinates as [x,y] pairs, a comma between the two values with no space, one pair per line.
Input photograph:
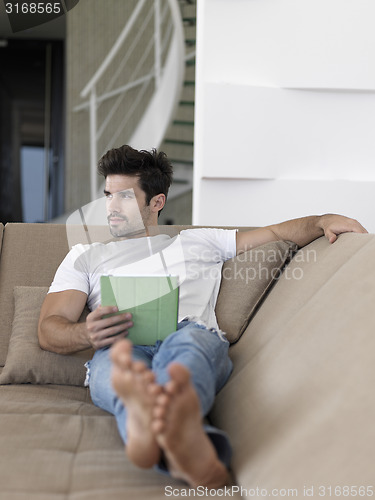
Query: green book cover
[152,301]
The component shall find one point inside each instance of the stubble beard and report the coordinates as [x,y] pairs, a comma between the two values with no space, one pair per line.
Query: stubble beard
[127,228]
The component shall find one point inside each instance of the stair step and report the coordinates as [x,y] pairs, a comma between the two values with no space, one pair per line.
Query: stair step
[188,10]
[190,62]
[180,181]
[188,93]
[183,162]
[180,132]
[190,42]
[190,73]
[180,142]
[190,32]
[185,113]
[189,83]
[186,123]
[179,152]
[186,103]
[190,20]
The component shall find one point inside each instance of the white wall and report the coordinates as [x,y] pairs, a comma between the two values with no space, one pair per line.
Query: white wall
[285,110]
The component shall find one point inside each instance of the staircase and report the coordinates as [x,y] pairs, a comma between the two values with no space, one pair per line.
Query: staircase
[136,104]
[179,139]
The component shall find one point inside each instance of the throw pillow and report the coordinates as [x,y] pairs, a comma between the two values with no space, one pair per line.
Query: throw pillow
[26,362]
[246,280]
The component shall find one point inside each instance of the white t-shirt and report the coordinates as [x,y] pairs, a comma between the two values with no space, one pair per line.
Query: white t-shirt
[196,256]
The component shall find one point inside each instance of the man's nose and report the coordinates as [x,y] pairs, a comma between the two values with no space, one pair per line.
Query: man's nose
[114,204]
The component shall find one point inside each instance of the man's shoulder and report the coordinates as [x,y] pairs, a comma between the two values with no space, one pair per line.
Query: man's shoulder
[84,255]
[207,232]
[84,248]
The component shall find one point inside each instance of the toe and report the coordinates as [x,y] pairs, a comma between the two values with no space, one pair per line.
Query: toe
[158,412]
[139,367]
[121,353]
[157,426]
[171,387]
[154,389]
[163,399]
[148,377]
[179,374]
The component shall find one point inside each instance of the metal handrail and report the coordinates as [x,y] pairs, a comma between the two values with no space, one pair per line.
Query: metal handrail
[116,47]
[133,83]
[114,93]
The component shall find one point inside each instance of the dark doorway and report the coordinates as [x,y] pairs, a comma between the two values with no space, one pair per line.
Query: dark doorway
[31,130]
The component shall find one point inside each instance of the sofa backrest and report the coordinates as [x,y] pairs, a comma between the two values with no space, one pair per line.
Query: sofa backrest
[298,406]
[30,255]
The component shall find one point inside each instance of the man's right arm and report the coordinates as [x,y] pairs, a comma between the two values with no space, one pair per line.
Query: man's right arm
[59,330]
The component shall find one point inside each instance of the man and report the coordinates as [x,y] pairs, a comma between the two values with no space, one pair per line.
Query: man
[161,392]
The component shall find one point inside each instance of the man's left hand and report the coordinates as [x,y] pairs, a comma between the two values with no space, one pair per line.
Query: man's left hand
[333,225]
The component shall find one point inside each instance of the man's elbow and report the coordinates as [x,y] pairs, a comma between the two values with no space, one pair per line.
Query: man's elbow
[273,234]
[279,236]
[44,337]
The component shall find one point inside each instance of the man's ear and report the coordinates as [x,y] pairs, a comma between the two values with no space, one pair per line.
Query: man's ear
[157,202]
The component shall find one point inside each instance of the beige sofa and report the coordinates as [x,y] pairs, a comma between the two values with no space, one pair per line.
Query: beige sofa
[299,407]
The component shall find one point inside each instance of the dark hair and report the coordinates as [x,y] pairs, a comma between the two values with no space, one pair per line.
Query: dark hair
[152,168]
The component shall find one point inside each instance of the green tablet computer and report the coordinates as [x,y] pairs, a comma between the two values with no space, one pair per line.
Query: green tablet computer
[152,301]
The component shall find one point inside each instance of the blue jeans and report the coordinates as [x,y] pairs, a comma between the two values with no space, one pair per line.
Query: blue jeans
[204,352]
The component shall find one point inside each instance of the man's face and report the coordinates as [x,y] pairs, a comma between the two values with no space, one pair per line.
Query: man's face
[127,211]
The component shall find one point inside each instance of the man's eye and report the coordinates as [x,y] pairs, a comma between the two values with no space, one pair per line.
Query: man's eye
[120,195]
[126,196]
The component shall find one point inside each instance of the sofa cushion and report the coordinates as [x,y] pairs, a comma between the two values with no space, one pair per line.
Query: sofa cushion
[26,362]
[56,445]
[30,255]
[246,280]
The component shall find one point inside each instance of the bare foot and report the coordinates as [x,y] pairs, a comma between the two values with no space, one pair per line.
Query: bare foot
[135,385]
[178,428]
